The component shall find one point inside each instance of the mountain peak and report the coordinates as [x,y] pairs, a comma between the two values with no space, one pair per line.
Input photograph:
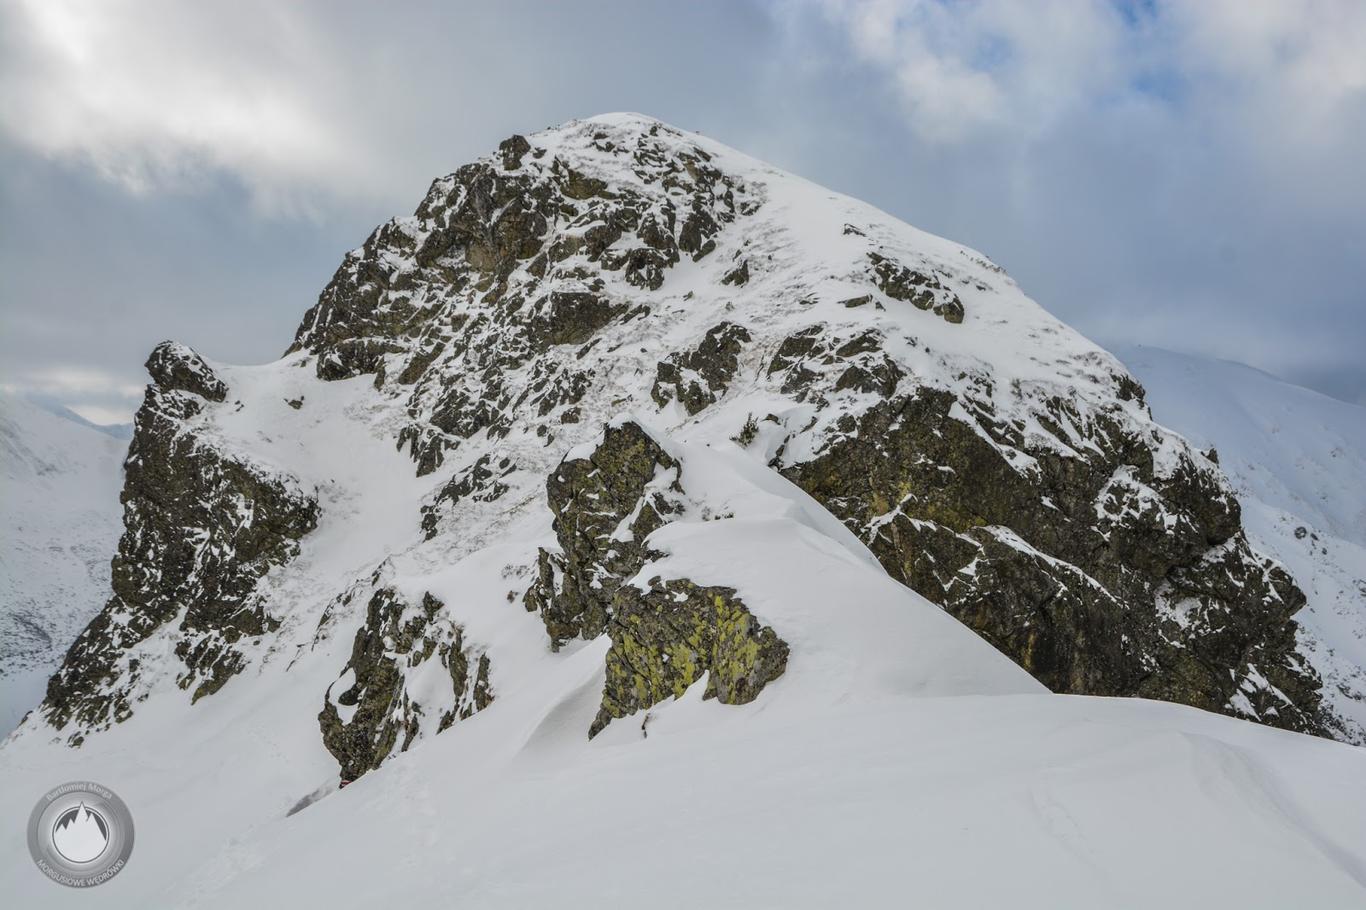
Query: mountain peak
[550,341]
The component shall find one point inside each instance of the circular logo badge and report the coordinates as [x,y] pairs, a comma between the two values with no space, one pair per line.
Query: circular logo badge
[80,834]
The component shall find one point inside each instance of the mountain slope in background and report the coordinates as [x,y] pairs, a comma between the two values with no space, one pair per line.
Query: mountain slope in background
[1297,460]
[636,513]
[59,505]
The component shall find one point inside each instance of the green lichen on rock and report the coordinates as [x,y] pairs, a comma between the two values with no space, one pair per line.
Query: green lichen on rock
[698,377]
[666,638]
[201,527]
[369,713]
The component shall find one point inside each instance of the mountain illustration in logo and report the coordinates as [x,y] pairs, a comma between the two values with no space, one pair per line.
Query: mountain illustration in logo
[80,834]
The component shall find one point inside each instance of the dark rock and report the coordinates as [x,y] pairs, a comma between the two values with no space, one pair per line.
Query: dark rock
[512,150]
[592,498]
[1078,570]
[573,318]
[665,638]
[175,367]
[738,276]
[921,289]
[697,378]
[201,527]
[384,716]
[481,482]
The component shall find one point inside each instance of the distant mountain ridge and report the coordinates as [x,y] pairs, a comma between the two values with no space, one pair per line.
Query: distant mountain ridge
[60,478]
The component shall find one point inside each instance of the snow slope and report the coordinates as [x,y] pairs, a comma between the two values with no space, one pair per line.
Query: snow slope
[1297,460]
[900,760]
[59,523]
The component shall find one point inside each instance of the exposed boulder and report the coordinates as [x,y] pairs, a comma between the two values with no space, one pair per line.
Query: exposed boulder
[665,637]
[175,367]
[698,377]
[402,653]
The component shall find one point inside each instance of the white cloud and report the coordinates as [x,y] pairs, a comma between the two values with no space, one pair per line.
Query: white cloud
[156,94]
[964,68]
[1286,74]
[66,380]
[100,396]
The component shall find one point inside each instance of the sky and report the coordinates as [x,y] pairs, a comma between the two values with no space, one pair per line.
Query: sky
[1181,174]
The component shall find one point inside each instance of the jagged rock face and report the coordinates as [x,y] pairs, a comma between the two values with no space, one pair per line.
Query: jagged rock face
[200,529]
[481,482]
[1073,567]
[402,653]
[175,367]
[666,638]
[605,506]
[698,377]
[663,638]
[475,299]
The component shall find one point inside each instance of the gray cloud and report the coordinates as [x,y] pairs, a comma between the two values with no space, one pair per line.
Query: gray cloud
[1179,174]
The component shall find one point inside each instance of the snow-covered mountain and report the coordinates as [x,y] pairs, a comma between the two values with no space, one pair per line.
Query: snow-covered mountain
[1297,460]
[59,505]
[637,522]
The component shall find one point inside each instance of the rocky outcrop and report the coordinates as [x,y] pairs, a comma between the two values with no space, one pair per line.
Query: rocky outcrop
[605,506]
[698,377]
[922,289]
[480,298]
[201,526]
[402,654]
[175,367]
[1095,571]
[482,481]
[666,636]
